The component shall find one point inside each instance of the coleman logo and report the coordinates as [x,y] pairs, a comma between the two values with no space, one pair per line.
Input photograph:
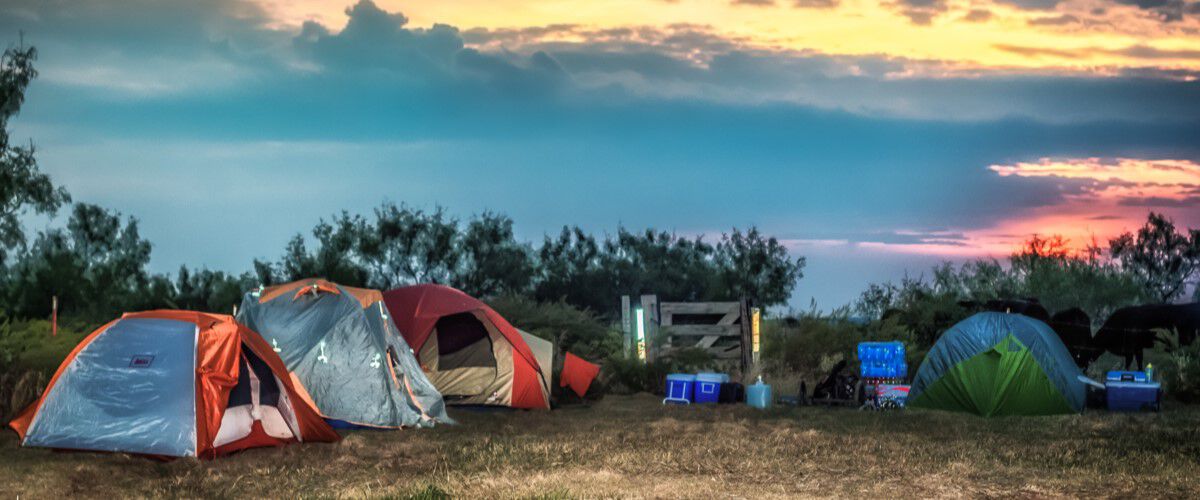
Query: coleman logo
[141,361]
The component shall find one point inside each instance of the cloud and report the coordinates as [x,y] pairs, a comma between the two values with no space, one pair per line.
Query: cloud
[1126,181]
[1059,20]
[1031,4]
[816,4]
[977,16]
[920,12]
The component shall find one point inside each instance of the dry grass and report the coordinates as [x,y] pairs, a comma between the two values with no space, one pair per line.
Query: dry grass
[634,447]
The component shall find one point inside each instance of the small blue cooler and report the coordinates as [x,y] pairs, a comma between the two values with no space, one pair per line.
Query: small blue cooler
[708,386]
[1131,391]
[679,388]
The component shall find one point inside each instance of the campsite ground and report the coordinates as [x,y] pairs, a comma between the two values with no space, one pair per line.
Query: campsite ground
[630,446]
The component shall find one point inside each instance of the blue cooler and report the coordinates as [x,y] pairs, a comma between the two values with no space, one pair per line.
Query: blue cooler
[679,388]
[1131,391]
[708,386]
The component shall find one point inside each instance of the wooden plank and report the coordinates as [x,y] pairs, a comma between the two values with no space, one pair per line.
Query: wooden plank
[707,342]
[730,318]
[698,307]
[703,330]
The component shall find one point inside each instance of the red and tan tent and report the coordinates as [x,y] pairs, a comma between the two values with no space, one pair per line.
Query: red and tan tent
[171,384]
[471,354]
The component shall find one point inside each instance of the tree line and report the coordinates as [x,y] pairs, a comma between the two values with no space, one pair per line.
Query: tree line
[1153,264]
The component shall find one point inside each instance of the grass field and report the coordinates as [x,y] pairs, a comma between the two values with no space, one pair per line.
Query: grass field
[631,446]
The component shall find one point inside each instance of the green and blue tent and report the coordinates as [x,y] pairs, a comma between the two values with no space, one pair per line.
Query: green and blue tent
[999,364]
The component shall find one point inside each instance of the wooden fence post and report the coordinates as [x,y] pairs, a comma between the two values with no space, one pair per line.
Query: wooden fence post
[650,311]
[747,341]
[627,327]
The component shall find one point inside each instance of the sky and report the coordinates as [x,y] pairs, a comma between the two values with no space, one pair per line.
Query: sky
[875,138]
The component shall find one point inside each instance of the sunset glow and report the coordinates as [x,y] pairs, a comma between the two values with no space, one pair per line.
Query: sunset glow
[1088,36]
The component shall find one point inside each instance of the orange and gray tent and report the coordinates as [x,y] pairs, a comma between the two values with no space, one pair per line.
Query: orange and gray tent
[349,358]
[470,353]
[171,384]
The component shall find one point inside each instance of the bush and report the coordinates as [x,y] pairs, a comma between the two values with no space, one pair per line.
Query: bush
[812,344]
[27,344]
[624,375]
[1183,375]
[571,329]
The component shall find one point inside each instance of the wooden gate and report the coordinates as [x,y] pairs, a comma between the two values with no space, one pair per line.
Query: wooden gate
[721,328]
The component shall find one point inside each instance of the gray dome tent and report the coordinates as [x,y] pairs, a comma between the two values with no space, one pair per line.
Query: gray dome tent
[346,353]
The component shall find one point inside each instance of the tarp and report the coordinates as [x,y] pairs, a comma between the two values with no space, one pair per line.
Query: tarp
[577,374]
[999,364]
[346,352]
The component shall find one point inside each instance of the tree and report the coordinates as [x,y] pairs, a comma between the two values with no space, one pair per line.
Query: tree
[493,262]
[23,186]
[407,246]
[758,267]
[212,291]
[335,256]
[1164,259]
[571,269]
[96,266]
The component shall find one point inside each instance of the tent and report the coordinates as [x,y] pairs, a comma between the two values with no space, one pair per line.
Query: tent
[173,384]
[470,353]
[999,364]
[350,360]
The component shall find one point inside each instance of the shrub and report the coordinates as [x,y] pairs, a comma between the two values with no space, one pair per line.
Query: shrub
[1183,375]
[571,329]
[811,344]
[27,344]
[624,375]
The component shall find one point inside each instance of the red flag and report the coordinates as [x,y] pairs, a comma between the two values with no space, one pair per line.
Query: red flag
[577,374]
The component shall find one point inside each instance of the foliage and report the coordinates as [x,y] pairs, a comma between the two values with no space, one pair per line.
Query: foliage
[812,343]
[1044,269]
[581,270]
[628,375]
[26,345]
[96,266]
[1182,374]
[206,290]
[571,329]
[1162,258]
[756,266]
[23,186]
[493,261]
[403,245]
[924,308]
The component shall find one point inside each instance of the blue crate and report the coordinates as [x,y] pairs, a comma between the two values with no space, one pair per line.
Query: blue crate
[679,388]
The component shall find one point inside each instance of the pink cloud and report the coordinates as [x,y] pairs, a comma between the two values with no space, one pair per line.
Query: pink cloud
[1101,199]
